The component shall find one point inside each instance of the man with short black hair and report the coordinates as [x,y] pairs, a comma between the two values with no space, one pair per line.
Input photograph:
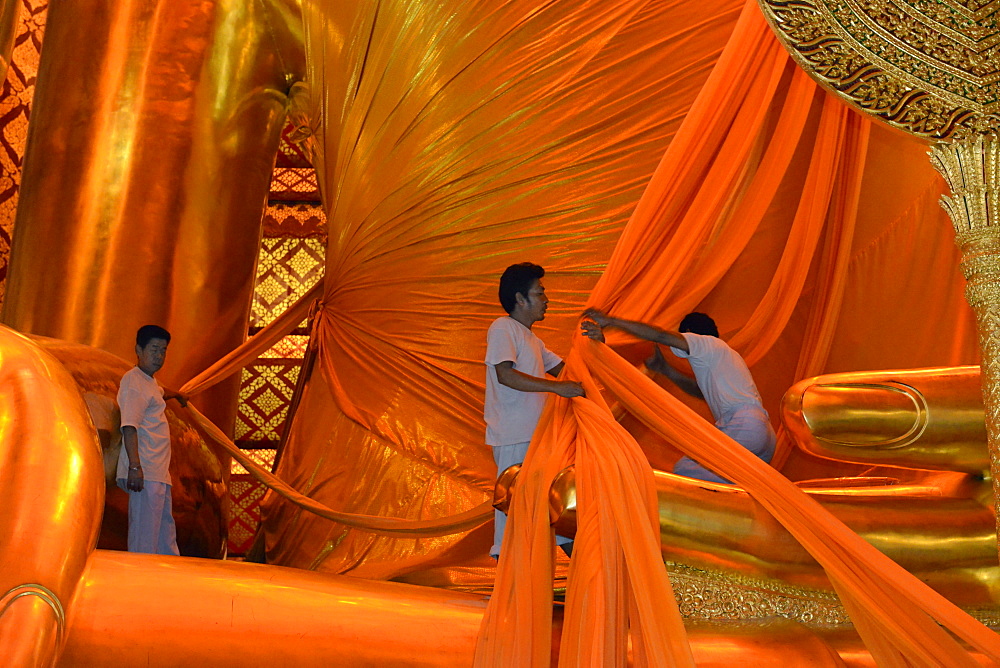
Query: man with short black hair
[516,364]
[144,460]
[721,379]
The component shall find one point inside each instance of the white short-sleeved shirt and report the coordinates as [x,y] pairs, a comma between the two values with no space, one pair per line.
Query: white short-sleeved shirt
[722,375]
[511,415]
[140,399]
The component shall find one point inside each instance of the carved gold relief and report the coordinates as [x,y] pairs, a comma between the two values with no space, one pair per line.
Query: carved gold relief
[972,169]
[929,68]
[717,595]
[706,595]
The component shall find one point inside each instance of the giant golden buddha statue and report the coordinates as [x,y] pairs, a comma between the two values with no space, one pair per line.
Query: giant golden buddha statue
[600,139]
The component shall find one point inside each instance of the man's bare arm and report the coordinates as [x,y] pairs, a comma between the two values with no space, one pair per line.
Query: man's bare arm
[522,382]
[639,329]
[659,365]
[556,370]
[130,441]
[170,394]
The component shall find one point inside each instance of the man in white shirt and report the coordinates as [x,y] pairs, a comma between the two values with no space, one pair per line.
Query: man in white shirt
[721,378]
[516,365]
[144,460]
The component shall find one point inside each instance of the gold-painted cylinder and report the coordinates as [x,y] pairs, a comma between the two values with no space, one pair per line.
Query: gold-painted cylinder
[290,617]
[152,140]
[52,494]
[10,12]
[935,526]
[928,419]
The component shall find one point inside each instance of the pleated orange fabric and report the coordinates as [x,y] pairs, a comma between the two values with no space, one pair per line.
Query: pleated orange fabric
[902,620]
[386,525]
[618,588]
[692,194]
[455,140]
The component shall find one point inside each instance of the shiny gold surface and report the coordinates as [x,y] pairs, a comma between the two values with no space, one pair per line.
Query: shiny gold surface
[158,133]
[924,418]
[52,495]
[938,526]
[928,68]
[770,643]
[10,11]
[233,614]
[269,615]
[301,618]
[132,176]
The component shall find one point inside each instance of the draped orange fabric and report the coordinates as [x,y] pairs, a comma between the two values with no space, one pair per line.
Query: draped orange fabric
[618,586]
[897,615]
[453,141]
[390,525]
[253,347]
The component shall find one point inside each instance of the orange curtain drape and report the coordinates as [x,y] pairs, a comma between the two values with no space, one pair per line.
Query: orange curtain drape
[900,618]
[453,141]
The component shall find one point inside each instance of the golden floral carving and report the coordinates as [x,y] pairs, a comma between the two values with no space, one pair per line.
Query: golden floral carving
[717,595]
[971,167]
[712,595]
[929,68]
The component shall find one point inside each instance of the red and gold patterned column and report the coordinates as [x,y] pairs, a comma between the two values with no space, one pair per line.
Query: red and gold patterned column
[291,261]
[153,134]
[15,103]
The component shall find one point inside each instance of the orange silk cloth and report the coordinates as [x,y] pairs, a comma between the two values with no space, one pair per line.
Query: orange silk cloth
[453,141]
[657,274]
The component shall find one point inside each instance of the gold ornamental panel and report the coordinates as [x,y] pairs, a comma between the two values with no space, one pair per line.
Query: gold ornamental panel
[929,67]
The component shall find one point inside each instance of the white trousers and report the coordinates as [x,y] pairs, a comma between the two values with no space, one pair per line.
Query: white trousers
[151,527]
[748,426]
